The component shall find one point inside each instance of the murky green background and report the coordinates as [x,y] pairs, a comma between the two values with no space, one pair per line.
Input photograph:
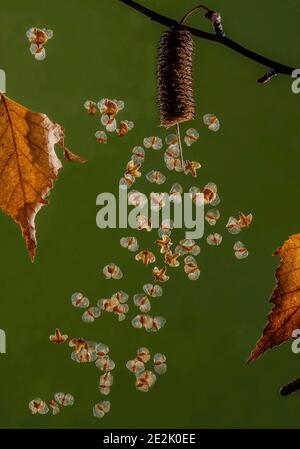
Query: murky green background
[103,49]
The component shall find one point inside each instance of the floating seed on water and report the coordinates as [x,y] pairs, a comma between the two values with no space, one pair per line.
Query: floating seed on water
[160,365]
[153,142]
[160,274]
[106,381]
[212,122]
[91,314]
[109,123]
[101,350]
[240,251]
[105,364]
[175,193]
[234,225]
[214,239]
[187,246]
[78,344]
[157,201]
[101,137]
[135,366]
[64,399]
[172,140]
[136,198]
[171,259]
[173,163]
[212,216]
[191,136]
[127,181]
[144,223]
[146,257]
[132,169]
[166,227]
[79,300]
[157,323]
[101,409]
[145,380]
[120,296]
[171,152]
[124,127]
[38,406]
[156,177]
[210,194]
[245,220]
[90,106]
[154,291]
[58,338]
[138,154]
[191,268]
[54,407]
[85,351]
[143,354]
[121,311]
[38,38]
[110,107]
[142,321]
[191,167]
[142,302]
[165,244]
[130,243]
[112,271]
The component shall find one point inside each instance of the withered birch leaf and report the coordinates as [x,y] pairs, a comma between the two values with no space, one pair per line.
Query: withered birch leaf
[28,164]
[285,315]
[71,157]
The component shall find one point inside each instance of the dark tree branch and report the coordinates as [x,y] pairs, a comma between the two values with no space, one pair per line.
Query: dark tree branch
[163,20]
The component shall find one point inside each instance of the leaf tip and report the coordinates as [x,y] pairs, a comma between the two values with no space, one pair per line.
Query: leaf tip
[71,157]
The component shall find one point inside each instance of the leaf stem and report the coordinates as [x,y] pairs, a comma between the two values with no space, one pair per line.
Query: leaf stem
[179,143]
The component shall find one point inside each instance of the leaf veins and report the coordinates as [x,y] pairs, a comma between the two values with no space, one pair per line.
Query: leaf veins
[285,315]
[28,164]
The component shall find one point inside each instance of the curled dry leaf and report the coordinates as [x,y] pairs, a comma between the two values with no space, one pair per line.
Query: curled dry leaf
[28,164]
[285,315]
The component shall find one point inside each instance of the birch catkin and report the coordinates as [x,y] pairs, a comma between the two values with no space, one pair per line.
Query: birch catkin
[175,77]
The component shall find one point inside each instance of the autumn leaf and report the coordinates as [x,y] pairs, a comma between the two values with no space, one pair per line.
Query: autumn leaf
[28,164]
[285,315]
[72,157]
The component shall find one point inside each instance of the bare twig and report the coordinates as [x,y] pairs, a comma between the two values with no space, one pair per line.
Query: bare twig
[277,67]
[291,387]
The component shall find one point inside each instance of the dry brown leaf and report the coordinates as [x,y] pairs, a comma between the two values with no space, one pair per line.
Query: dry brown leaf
[285,315]
[28,164]
[71,157]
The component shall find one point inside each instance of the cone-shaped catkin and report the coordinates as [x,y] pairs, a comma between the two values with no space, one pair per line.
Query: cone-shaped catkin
[175,77]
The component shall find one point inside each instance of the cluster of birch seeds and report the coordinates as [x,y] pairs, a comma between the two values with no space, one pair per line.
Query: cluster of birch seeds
[145,379]
[182,254]
[108,109]
[142,302]
[116,304]
[40,407]
[234,226]
[86,352]
[38,38]
[80,301]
